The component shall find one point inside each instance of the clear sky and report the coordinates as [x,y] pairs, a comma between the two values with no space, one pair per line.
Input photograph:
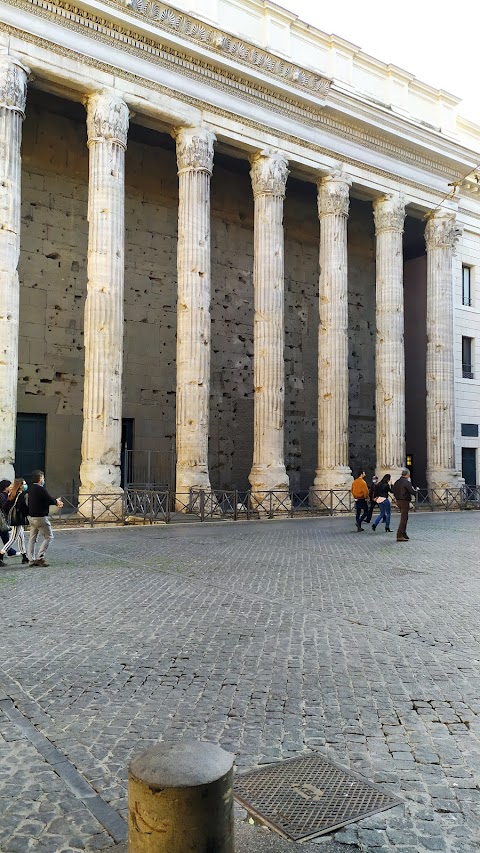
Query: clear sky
[436,40]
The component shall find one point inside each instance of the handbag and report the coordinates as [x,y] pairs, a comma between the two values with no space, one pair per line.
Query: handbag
[3,522]
[14,518]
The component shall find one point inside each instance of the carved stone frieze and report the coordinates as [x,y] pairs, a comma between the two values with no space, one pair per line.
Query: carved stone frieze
[389,213]
[194,149]
[442,231]
[334,194]
[13,84]
[269,173]
[167,18]
[107,118]
[104,31]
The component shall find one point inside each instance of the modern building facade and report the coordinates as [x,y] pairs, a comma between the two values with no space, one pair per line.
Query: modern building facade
[226,232]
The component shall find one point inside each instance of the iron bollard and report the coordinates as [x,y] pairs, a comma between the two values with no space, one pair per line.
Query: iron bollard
[180,799]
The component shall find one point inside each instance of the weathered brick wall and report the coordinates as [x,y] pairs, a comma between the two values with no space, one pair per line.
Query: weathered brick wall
[53,285]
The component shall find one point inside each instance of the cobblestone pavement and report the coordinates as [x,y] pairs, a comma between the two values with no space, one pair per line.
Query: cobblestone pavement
[272,638]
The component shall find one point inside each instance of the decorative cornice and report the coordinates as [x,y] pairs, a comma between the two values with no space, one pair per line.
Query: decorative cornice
[334,194]
[269,173]
[389,213]
[442,231]
[169,19]
[107,118]
[101,29]
[194,149]
[13,84]
[289,138]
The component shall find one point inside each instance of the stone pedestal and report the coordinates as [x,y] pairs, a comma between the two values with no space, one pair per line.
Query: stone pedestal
[333,471]
[389,213]
[269,175]
[180,799]
[107,126]
[195,165]
[13,92]
[441,234]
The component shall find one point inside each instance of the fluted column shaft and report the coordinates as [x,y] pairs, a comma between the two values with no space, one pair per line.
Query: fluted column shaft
[269,175]
[389,213]
[441,234]
[333,471]
[195,165]
[107,127]
[13,91]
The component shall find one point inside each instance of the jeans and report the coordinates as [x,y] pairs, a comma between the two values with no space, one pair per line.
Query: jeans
[385,511]
[361,510]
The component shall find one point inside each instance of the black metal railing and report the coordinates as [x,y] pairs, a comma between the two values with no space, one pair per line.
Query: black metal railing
[151,505]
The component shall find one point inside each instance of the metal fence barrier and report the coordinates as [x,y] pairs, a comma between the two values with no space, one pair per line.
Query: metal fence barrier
[151,505]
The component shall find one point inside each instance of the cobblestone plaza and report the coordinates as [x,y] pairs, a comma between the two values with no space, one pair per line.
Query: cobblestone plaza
[272,638]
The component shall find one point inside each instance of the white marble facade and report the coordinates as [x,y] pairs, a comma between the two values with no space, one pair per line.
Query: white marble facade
[289,101]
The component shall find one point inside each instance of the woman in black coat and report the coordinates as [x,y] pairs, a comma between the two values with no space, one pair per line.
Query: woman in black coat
[382,491]
[16,513]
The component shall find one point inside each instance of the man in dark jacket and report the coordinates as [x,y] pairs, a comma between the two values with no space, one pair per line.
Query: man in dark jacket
[403,491]
[39,503]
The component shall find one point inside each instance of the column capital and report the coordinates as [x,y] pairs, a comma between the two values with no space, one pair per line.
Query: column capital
[441,230]
[13,84]
[269,173]
[194,149]
[334,194]
[389,213]
[107,118]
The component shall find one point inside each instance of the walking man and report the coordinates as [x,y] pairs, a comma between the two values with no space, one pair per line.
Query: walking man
[360,494]
[39,503]
[403,491]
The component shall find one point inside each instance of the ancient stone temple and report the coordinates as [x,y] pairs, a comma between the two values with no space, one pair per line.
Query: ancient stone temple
[228,233]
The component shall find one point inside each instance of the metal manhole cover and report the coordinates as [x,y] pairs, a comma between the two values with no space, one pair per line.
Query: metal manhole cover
[301,798]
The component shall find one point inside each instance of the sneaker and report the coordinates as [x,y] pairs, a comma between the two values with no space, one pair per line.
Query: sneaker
[25,559]
[373,528]
[12,553]
[402,539]
[41,562]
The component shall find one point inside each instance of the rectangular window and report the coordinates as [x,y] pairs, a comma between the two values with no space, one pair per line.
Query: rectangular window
[466,285]
[470,430]
[467,358]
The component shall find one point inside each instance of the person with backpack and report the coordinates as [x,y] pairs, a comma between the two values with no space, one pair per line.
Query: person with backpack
[381,493]
[16,512]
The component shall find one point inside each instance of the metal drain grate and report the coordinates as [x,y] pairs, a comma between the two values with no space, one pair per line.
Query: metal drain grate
[301,798]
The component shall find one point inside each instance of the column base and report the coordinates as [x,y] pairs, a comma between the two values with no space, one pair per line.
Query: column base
[442,481]
[444,478]
[270,490]
[394,471]
[188,480]
[338,478]
[100,496]
[8,471]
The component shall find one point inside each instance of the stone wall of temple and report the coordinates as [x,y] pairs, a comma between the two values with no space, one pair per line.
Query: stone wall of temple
[53,287]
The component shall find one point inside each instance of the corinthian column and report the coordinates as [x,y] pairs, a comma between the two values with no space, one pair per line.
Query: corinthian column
[333,471]
[107,127]
[13,91]
[195,165]
[389,213]
[441,234]
[269,175]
